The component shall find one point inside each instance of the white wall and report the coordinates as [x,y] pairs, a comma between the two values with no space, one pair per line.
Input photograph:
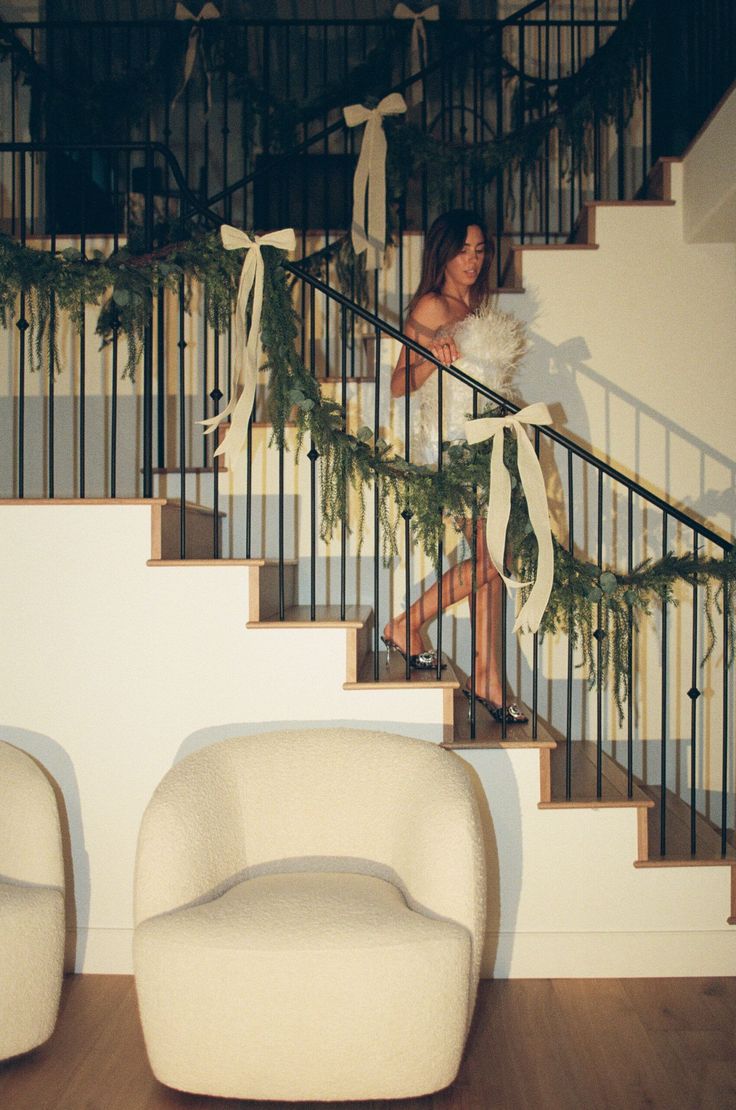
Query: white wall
[112,671]
[634,344]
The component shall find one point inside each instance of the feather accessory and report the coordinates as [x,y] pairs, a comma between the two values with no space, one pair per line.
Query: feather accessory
[492,344]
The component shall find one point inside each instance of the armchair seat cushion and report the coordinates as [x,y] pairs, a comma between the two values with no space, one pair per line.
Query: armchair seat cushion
[328,981]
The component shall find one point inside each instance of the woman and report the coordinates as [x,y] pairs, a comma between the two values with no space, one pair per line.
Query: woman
[454,282]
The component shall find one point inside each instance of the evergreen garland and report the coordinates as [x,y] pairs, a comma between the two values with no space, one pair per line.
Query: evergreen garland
[593,605]
[585,598]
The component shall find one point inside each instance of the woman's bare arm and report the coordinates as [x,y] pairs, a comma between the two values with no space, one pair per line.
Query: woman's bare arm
[430,314]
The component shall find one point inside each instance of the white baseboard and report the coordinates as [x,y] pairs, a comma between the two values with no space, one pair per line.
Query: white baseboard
[517,955]
[609,955]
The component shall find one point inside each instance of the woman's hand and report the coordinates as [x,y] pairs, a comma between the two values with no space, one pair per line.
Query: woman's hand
[444,350]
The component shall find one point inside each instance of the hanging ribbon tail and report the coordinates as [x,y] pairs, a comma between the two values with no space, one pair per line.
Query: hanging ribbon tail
[189,60]
[209,11]
[368,232]
[417,45]
[248,350]
[499,505]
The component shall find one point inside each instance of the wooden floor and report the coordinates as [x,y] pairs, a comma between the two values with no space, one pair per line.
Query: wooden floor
[535,1044]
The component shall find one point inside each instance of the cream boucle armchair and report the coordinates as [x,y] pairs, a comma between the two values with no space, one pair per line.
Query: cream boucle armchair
[310,911]
[31,904]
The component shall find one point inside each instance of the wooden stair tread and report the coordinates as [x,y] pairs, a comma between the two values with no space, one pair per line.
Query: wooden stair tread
[392,675]
[188,470]
[584,792]
[351,379]
[325,616]
[219,562]
[488,731]
[677,836]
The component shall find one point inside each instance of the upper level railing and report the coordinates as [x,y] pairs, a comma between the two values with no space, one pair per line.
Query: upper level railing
[259,133]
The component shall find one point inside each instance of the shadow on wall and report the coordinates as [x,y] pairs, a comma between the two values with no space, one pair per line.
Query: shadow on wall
[58,768]
[492,958]
[554,372]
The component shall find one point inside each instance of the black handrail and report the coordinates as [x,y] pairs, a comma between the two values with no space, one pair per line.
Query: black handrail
[498,399]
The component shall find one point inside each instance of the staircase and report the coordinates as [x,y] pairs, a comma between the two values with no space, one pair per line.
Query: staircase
[253,619]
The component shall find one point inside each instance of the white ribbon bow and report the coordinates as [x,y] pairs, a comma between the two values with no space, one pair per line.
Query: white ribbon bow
[248,350]
[370,175]
[417,44]
[499,504]
[209,11]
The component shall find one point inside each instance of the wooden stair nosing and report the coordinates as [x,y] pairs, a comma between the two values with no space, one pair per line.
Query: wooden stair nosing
[677,838]
[488,731]
[678,815]
[223,562]
[614,794]
[326,616]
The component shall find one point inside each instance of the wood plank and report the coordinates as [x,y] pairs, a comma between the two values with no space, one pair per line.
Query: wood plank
[584,781]
[326,616]
[677,835]
[536,1044]
[392,675]
[488,731]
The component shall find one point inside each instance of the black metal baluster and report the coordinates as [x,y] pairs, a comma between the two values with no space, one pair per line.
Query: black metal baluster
[182,345]
[474,600]
[596,119]
[313,455]
[440,542]
[560,175]
[205,369]
[225,132]
[522,97]
[114,404]
[694,694]
[51,445]
[724,710]
[161,378]
[376,515]
[344,402]
[547,145]
[535,641]
[115,326]
[22,326]
[599,634]
[663,749]
[630,657]
[407,514]
[504,171]
[82,355]
[148,339]
[571,549]
[216,397]
[249,489]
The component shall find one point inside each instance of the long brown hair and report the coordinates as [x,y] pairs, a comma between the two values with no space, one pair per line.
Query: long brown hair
[445,239]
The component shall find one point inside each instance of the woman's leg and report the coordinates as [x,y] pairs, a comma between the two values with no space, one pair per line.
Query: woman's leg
[488,601]
[456,585]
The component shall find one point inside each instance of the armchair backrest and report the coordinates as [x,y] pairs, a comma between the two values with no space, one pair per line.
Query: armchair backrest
[322,799]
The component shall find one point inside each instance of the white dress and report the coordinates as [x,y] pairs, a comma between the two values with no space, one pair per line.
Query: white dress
[491,343]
